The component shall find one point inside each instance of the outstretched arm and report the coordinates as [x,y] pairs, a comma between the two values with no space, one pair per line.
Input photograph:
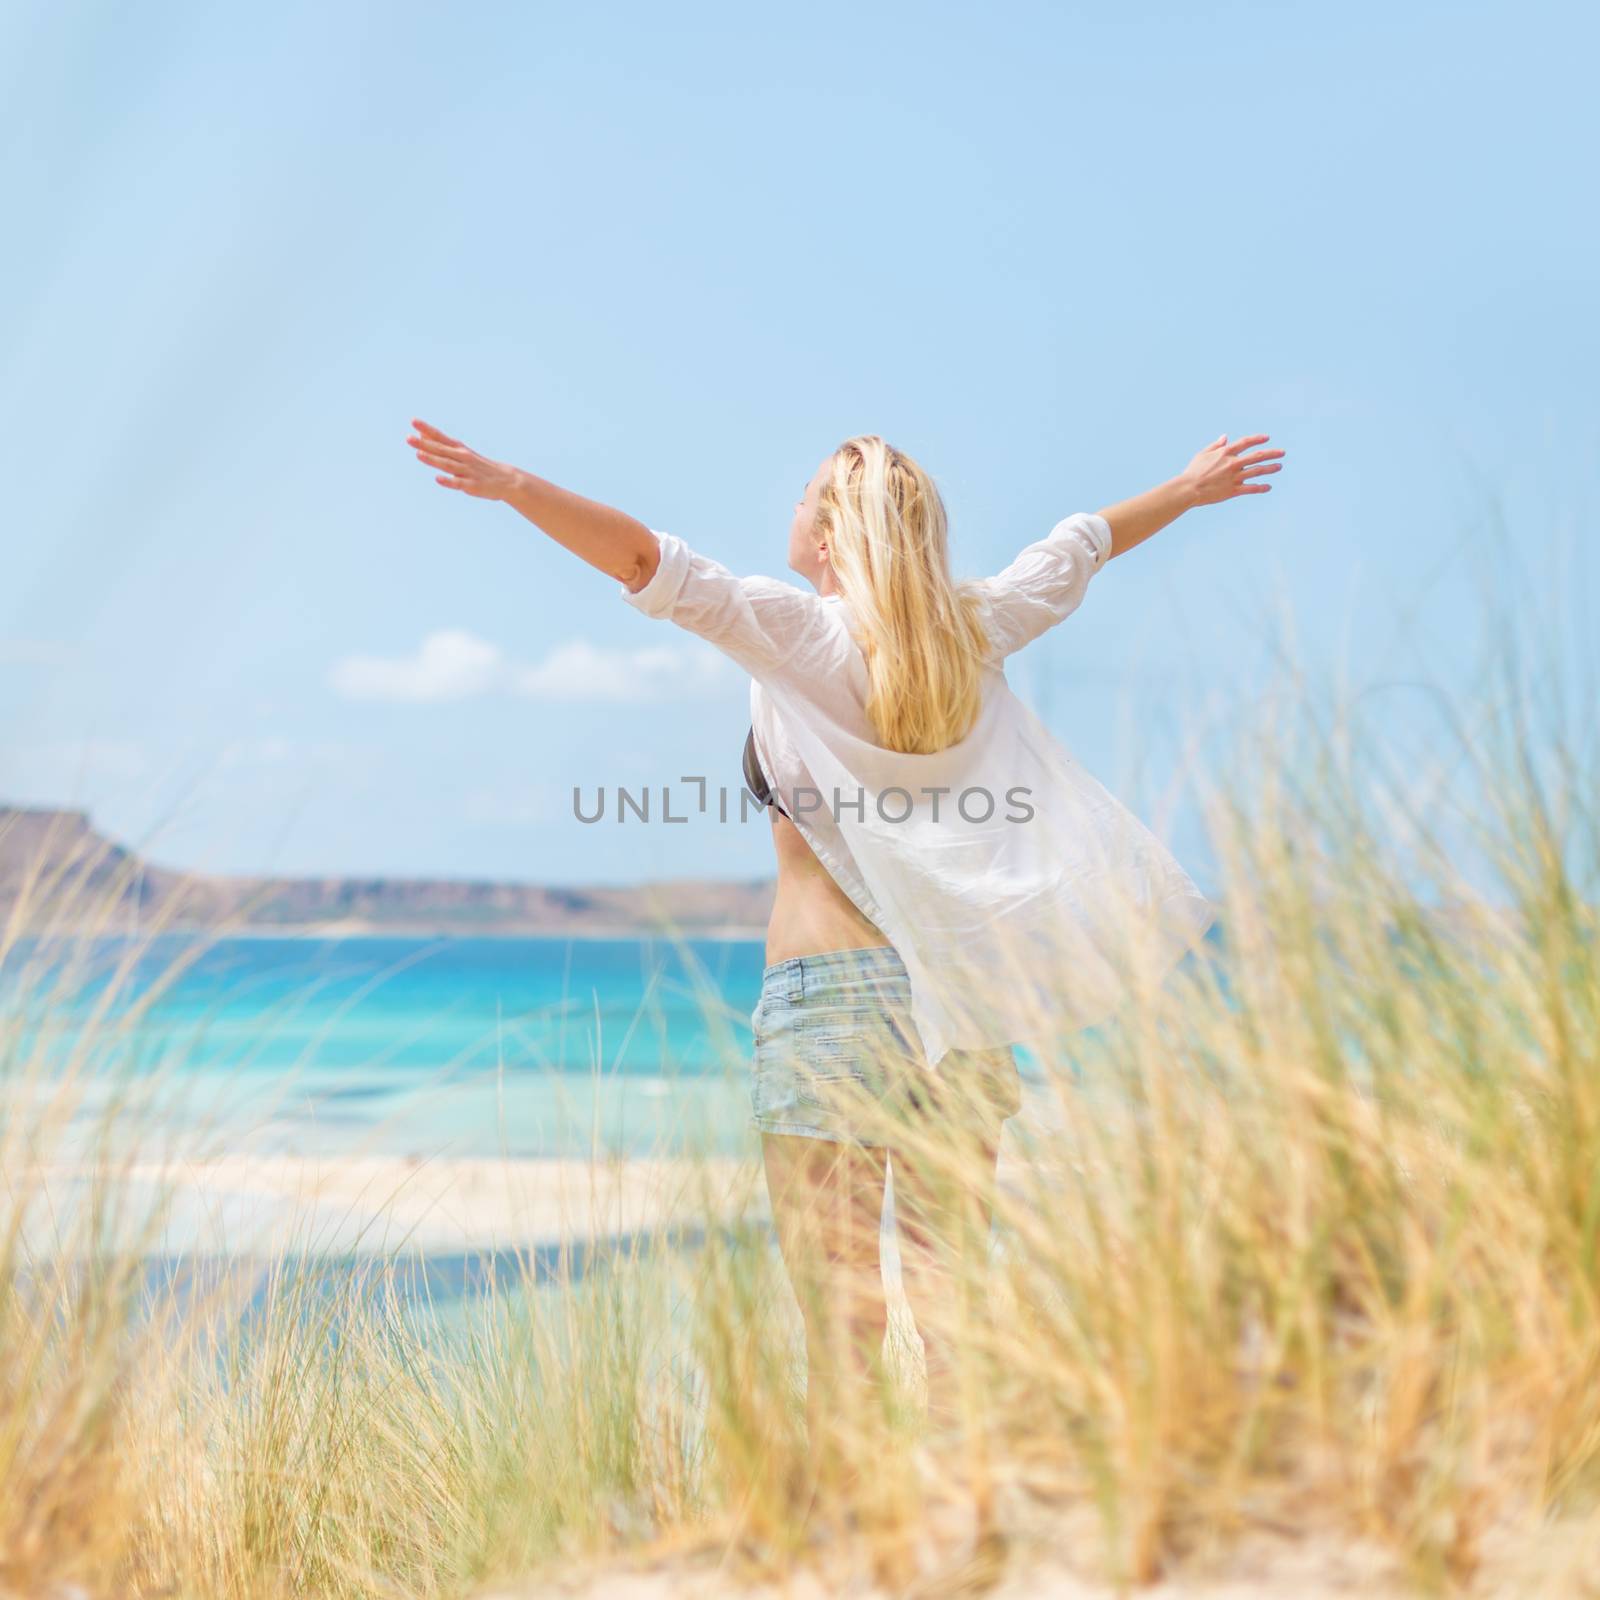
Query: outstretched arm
[1220,472]
[1046,582]
[766,626]
[603,536]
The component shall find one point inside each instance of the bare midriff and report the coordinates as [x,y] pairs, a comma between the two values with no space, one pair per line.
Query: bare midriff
[811,913]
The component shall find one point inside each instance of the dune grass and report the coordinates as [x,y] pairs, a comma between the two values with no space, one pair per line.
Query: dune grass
[1307,1242]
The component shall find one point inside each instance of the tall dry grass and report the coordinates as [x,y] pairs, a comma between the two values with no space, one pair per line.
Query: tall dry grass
[1307,1242]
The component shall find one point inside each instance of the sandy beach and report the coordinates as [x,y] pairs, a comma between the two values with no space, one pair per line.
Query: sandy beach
[366,928]
[357,1205]
[354,1204]
[1050,1554]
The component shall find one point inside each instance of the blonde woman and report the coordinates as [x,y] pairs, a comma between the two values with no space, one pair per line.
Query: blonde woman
[945,871]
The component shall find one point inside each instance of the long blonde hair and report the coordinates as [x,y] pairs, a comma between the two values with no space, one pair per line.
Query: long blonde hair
[888,541]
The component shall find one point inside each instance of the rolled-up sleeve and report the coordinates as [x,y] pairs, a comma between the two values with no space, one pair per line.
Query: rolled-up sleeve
[1047,581]
[761,623]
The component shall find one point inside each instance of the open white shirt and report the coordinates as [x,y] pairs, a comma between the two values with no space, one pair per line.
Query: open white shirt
[1013,885]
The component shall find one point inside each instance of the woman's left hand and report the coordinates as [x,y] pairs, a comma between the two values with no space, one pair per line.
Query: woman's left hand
[461,468]
[1220,472]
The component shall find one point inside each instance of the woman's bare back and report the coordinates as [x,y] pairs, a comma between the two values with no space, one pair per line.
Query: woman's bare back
[811,913]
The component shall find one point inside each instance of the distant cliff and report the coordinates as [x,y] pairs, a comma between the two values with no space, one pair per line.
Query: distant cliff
[57,870]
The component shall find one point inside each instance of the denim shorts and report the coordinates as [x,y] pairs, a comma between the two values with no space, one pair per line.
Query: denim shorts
[832,1028]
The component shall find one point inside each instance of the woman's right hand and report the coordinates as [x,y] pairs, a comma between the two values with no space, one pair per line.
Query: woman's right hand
[1220,472]
[461,466]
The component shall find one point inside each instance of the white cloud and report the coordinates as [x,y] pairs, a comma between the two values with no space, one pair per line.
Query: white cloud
[582,671]
[454,665]
[450,665]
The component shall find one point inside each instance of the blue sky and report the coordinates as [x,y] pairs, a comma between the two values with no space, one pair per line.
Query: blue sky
[669,258]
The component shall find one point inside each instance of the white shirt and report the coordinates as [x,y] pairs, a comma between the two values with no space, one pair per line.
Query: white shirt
[1023,898]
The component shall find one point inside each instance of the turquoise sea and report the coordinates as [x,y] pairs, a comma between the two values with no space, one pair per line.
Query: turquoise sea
[391,1047]
[398,1046]
[408,1045]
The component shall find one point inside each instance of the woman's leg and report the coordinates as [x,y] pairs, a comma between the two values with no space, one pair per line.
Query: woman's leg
[827,1205]
[943,1205]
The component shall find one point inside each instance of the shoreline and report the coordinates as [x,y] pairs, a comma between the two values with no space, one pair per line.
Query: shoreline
[728,933]
[352,1204]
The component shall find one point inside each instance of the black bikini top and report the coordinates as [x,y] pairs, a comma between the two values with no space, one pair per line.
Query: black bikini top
[755,780]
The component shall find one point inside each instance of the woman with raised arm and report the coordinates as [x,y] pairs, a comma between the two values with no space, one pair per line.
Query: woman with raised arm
[947,875]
